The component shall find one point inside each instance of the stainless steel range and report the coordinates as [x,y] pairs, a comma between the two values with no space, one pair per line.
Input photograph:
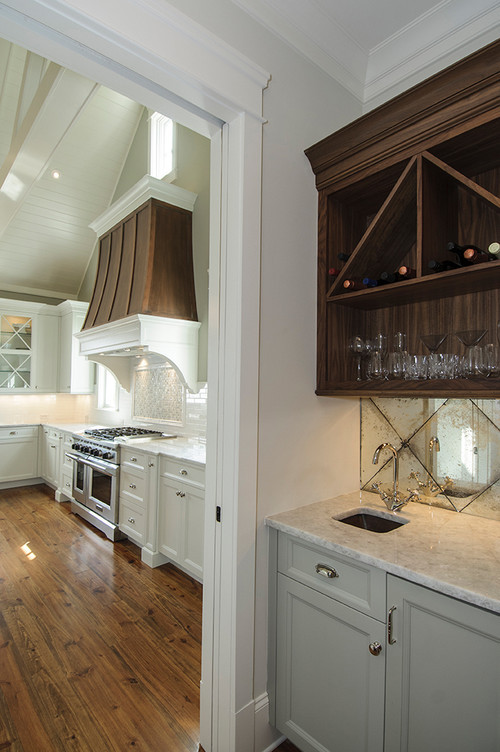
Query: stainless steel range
[96,474]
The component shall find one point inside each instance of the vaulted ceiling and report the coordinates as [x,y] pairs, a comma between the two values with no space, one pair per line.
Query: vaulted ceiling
[53,119]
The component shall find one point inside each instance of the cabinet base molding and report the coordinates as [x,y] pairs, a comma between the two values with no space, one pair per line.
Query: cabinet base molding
[154,558]
[61,496]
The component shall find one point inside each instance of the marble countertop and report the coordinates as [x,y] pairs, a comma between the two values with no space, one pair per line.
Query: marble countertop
[455,554]
[181,447]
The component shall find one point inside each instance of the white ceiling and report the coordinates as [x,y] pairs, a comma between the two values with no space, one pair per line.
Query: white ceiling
[378,48]
[51,118]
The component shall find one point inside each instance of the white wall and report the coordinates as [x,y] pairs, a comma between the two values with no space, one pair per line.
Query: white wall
[308,445]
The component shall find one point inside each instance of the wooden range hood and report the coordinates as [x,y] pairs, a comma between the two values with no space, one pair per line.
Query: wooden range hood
[144,295]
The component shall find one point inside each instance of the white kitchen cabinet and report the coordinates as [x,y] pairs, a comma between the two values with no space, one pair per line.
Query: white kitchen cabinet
[29,347]
[330,661]
[181,514]
[18,453]
[50,455]
[138,490]
[443,673]
[64,491]
[433,684]
[76,373]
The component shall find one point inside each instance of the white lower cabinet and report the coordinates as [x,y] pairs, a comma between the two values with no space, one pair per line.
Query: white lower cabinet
[138,481]
[50,455]
[18,453]
[443,673]
[425,676]
[181,514]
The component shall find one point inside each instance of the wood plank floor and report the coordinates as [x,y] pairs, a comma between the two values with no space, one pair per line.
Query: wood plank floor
[98,652]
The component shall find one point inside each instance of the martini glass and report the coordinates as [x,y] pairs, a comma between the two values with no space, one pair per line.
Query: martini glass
[433,341]
[470,338]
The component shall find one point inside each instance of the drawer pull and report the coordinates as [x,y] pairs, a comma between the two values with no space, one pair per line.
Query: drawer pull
[131,520]
[132,485]
[133,459]
[151,464]
[180,493]
[325,571]
[375,648]
[13,433]
[390,627]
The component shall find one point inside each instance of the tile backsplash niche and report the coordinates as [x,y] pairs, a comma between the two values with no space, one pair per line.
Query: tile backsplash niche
[159,395]
[449,449]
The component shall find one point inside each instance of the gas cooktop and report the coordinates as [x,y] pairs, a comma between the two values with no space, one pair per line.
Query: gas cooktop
[121,433]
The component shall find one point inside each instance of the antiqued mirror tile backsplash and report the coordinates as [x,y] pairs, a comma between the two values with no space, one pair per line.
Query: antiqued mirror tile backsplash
[448,449]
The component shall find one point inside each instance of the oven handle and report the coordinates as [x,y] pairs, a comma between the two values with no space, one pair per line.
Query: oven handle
[108,467]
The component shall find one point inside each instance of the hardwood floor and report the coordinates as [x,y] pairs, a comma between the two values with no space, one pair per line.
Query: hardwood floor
[98,652]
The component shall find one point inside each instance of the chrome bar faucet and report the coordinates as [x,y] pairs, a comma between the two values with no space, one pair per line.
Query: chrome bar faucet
[429,487]
[395,501]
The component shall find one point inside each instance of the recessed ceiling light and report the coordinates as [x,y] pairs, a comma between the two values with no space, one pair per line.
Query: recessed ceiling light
[56,174]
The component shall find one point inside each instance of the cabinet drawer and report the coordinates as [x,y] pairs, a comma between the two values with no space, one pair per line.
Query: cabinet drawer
[18,432]
[67,485]
[132,485]
[132,520]
[132,459]
[349,581]
[184,471]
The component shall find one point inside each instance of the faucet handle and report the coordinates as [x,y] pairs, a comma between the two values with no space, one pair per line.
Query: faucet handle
[414,474]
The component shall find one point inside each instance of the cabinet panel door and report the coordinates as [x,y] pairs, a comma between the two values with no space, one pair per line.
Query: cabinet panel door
[329,688]
[18,459]
[443,673]
[194,521]
[169,521]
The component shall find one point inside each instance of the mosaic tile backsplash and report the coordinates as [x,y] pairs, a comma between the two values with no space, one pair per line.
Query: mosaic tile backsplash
[448,448]
[158,394]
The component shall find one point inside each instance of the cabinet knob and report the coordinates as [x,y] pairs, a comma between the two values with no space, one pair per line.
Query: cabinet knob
[131,520]
[151,464]
[375,648]
[133,459]
[183,471]
[180,493]
[132,485]
[325,571]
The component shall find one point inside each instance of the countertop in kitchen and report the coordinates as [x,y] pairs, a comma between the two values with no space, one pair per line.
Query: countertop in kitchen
[455,554]
[180,447]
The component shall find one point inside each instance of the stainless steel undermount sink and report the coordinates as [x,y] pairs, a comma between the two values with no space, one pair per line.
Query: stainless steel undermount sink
[371,519]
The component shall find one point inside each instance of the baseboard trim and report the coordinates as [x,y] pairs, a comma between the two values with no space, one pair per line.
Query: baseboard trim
[267,737]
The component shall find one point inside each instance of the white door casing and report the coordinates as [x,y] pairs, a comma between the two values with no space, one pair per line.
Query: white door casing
[152,53]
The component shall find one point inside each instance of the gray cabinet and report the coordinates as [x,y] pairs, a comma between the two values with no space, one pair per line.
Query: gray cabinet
[433,685]
[443,673]
[330,663]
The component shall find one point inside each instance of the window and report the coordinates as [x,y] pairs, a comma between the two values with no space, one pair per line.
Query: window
[107,390]
[161,146]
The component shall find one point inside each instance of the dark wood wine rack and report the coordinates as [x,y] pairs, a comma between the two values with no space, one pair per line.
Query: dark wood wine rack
[395,186]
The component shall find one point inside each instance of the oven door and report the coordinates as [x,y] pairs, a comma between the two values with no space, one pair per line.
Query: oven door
[102,490]
[79,491]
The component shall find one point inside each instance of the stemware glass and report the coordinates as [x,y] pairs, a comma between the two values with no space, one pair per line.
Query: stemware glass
[433,341]
[470,338]
[357,347]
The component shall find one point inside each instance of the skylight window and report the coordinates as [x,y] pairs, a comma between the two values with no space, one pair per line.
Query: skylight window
[161,146]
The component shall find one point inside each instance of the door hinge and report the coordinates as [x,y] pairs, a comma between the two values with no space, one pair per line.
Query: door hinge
[217,514]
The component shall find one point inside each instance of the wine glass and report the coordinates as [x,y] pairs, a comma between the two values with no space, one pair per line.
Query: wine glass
[357,347]
[433,341]
[470,338]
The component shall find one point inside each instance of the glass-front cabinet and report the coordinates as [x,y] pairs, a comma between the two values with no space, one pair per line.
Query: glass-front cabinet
[15,351]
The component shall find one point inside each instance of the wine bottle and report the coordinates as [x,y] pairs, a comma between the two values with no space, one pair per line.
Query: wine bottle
[350,285]
[387,277]
[343,256]
[459,251]
[474,256]
[442,266]
[494,251]
[405,272]
[368,282]
[332,272]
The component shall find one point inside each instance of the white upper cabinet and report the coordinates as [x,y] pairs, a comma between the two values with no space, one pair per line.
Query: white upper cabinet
[76,374]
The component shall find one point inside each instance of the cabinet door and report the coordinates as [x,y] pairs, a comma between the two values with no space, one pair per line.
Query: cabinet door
[170,520]
[329,687]
[443,673]
[50,456]
[18,459]
[193,531]
[45,353]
